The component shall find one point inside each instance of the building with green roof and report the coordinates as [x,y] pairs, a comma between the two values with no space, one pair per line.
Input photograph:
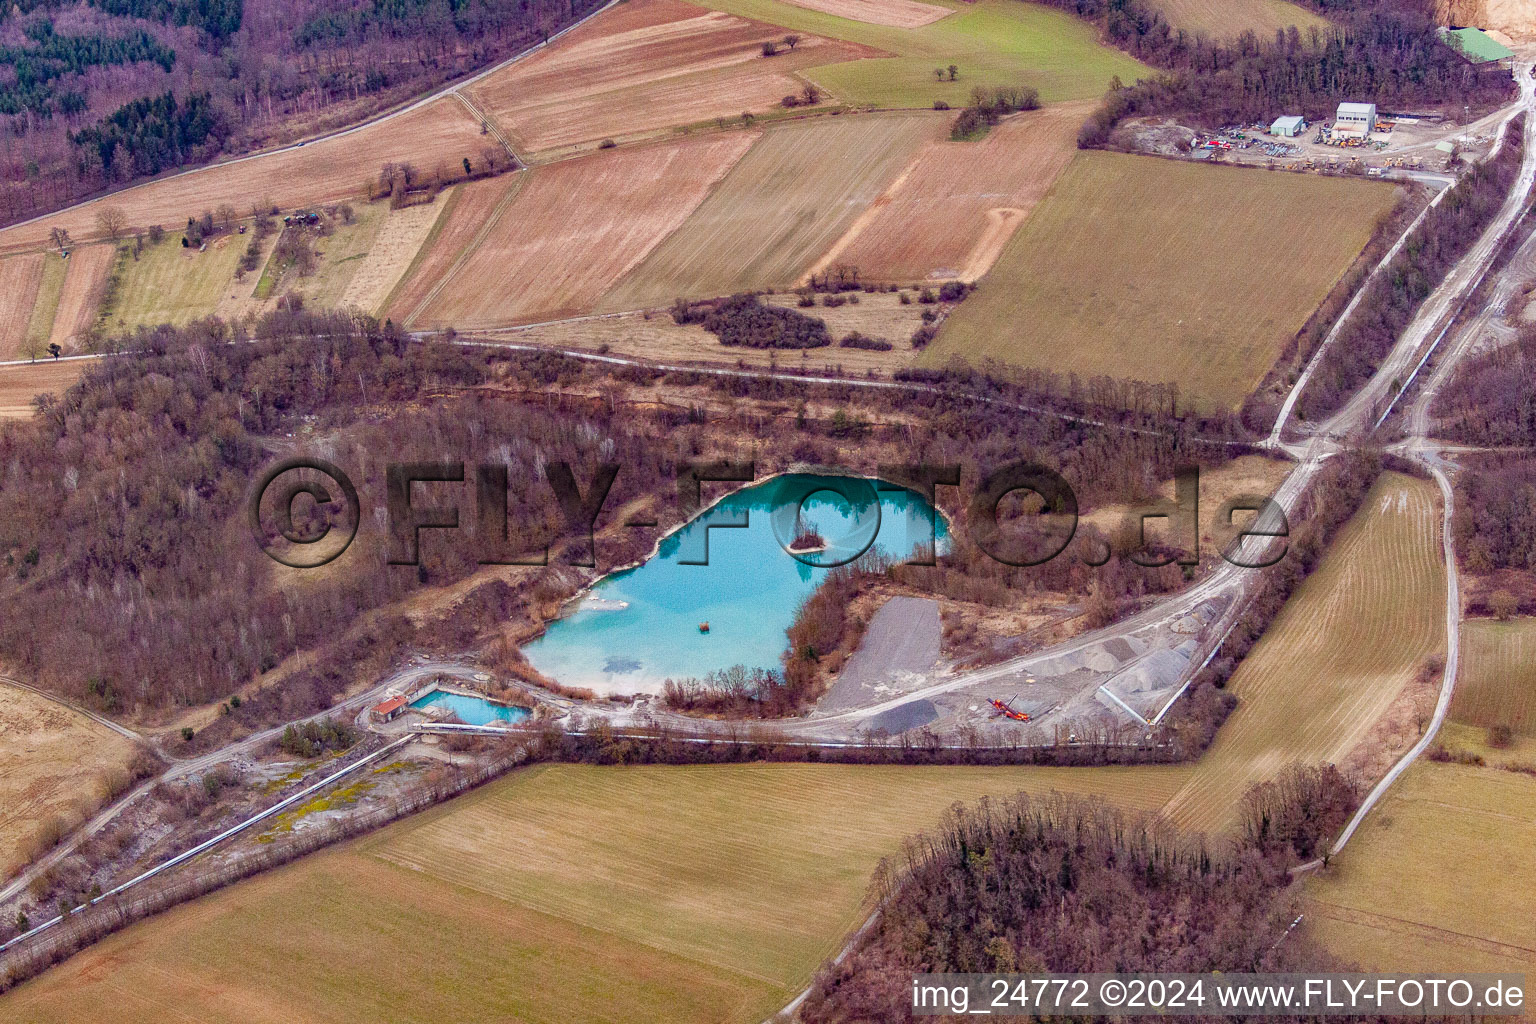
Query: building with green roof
[1477,46]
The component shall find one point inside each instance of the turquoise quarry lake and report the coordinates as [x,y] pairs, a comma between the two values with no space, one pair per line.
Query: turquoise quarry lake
[639,627]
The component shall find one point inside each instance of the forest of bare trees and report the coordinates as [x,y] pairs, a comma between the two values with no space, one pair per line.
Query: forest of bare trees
[1067,885]
[1490,401]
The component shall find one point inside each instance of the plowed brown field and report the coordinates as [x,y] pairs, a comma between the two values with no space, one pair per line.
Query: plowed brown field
[20,277]
[576,228]
[951,214]
[85,281]
[20,384]
[468,211]
[644,65]
[781,208]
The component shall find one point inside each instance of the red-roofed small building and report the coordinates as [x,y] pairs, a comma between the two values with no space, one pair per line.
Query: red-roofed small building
[389,710]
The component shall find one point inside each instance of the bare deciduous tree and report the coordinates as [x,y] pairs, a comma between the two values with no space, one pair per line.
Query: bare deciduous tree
[111,220]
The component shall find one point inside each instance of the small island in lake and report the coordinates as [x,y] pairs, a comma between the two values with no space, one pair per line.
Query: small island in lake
[807,541]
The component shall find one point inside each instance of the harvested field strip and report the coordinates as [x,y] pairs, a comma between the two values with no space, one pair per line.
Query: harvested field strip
[753,872]
[788,200]
[402,236]
[1228,19]
[172,284]
[896,13]
[470,211]
[1498,675]
[643,66]
[46,304]
[577,227]
[20,279]
[239,297]
[1438,878]
[52,762]
[992,42]
[440,133]
[85,282]
[951,216]
[20,384]
[1343,648]
[1165,271]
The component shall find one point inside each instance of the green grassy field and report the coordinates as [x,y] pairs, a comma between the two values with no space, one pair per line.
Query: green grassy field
[342,255]
[46,306]
[171,284]
[781,206]
[1165,271]
[1439,878]
[562,894]
[1336,657]
[1498,678]
[992,42]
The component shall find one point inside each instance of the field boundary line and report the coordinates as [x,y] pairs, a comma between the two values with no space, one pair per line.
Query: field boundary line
[864,219]
[487,122]
[1352,915]
[455,195]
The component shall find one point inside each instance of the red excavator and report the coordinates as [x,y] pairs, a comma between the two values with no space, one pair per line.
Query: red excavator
[1005,708]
